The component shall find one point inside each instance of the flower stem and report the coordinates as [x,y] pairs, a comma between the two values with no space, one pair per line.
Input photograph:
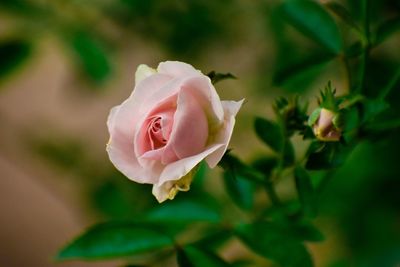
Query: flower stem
[271,192]
[366,47]
[348,72]
[392,83]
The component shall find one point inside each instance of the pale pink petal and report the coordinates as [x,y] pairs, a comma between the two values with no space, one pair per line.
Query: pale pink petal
[165,109]
[162,192]
[325,119]
[147,105]
[231,108]
[155,154]
[121,154]
[127,115]
[111,117]
[143,71]
[204,92]
[177,69]
[190,130]
[177,170]
[167,122]
[121,124]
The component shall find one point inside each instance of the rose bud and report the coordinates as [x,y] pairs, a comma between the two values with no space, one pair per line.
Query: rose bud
[325,124]
[172,121]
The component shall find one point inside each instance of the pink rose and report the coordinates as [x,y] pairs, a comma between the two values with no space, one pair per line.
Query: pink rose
[171,122]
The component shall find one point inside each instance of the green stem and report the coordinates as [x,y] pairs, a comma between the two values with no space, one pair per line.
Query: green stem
[270,189]
[392,83]
[363,69]
[348,72]
[366,25]
[367,45]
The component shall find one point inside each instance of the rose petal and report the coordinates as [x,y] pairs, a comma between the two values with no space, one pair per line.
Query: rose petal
[325,118]
[143,71]
[231,108]
[169,189]
[190,130]
[177,170]
[123,118]
[120,152]
[111,117]
[121,125]
[177,69]
[166,110]
[204,92]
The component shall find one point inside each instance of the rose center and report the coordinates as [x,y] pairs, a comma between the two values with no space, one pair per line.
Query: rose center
[155,133]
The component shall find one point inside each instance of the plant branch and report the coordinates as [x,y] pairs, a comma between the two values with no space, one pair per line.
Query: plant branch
[271,192]
[366,46]
[392,83]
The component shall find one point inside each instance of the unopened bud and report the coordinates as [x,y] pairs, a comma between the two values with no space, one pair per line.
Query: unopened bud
[325,124]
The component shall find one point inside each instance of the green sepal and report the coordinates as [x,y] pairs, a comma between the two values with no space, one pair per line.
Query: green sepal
[328,99]
[314,117]
[217,77]
[338,121]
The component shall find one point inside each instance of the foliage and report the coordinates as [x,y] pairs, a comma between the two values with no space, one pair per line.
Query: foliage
[353,181]
[280,227]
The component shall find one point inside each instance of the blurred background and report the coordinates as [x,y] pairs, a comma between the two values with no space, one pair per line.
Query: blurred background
[64,64]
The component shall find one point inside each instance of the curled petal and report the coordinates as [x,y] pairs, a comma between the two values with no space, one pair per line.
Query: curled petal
[190,130]
[143,71]
[204,92]
[231,108]
[120,152]
[176,170]
[177,69]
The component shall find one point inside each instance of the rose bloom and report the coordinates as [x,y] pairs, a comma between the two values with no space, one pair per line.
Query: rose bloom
[172,121]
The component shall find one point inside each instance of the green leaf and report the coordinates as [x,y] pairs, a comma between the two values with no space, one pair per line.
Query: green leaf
[343,14]
[109,199]
[372,107]
[305,232]
[92,56]
[288,210]
[387,29]
[305,191]
[214,239]
[384,126]
[288,155]
[287,218]
[113,240]
[240,189]
[192,256]
[354,50]
[270,241]
[270,133]
[186,211]
[12,54]
[314,21]
[231,163]
[332,155]
[265,165]
[64,153]
[217,77]
[299,68]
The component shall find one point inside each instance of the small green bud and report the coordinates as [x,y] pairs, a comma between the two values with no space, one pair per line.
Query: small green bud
[326,125]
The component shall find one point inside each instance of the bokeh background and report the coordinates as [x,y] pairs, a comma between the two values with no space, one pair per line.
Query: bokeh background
[64,64]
